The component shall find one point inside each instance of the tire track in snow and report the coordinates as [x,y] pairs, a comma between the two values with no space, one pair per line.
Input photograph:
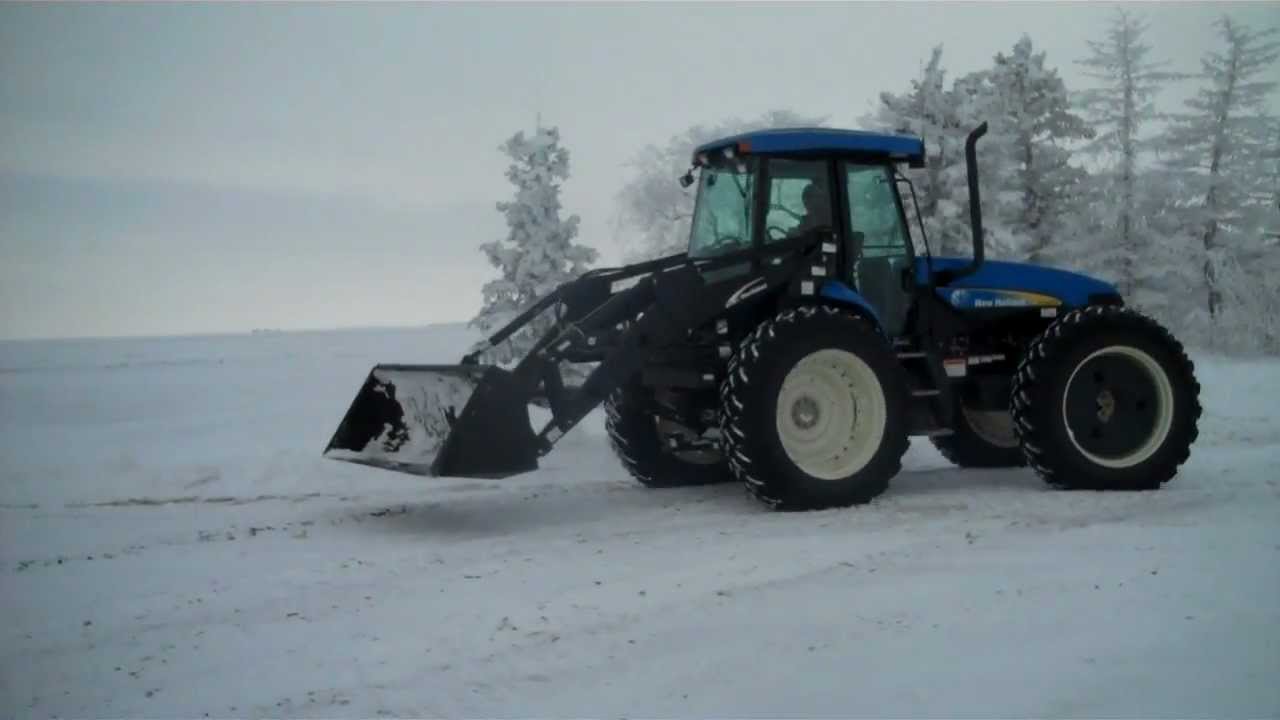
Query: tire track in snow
[193,499]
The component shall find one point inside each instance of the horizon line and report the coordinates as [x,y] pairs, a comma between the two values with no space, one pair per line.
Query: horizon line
[230,333]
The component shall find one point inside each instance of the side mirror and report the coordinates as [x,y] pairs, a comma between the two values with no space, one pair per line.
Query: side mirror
[687,179]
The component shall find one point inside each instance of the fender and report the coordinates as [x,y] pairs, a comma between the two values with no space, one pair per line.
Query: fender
[845,295]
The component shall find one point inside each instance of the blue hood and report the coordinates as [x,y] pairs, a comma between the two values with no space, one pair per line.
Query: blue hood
[1014,280]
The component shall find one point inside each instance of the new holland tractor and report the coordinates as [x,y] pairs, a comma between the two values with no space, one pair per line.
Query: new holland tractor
[801,340]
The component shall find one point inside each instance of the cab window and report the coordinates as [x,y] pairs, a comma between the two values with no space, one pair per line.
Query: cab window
[873,212]
[877,246]
[722,216]
[799,199]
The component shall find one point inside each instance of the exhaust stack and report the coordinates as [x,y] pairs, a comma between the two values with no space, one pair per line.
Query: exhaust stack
[975,208]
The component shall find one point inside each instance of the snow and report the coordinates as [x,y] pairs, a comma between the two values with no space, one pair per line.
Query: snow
[172,544]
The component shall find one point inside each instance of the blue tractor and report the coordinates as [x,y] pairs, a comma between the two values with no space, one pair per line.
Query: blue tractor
[805,335]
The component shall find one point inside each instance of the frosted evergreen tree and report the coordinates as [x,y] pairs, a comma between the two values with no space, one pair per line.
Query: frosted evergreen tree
[1221,145]
[1275,169]
[942,117]
[1273,159]
[1167,275]
[538,253]
[1119,109]
[652,203]
[1035,192]
[1270,211]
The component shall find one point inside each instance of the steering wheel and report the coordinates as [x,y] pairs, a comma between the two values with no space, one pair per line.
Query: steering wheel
[727,240]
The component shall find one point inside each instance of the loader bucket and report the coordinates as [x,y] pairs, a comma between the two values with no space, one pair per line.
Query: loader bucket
[439,420]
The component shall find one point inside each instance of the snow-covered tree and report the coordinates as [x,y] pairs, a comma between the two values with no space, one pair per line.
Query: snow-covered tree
[1035,190]
[652,203]
[1269,210]
[1275,169]
[1273,161]
[1167,274]
[1119,109]
[1221,145]
[538,253]
[941,117]
[1028,185]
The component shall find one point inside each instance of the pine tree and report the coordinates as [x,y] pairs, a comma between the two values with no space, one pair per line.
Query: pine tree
[538,253]
[1275,171]
[1119,109]
[1036,189]
[652,202]
[1269,211]
[1167,273]
[1220,146]
[1273,159]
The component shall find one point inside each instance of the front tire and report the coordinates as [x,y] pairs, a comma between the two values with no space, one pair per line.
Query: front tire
[813,411]
[1106,399]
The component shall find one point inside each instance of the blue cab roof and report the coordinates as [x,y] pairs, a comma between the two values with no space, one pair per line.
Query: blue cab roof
[906,148]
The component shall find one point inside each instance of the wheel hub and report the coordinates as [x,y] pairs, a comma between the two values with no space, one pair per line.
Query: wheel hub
[806,412]
[1118,406]
[1106,405]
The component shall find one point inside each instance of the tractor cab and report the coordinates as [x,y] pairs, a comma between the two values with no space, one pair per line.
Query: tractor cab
[765,189]
[760,190]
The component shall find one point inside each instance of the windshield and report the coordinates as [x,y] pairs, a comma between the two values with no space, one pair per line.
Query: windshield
[722,217]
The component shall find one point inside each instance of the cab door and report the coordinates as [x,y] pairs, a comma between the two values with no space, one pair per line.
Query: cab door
[878,248]
[797,200]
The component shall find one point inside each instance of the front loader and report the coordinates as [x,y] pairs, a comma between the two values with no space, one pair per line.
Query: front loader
[799,342]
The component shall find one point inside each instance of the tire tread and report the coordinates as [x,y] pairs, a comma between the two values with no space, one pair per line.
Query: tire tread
[746,460]
[1030,392]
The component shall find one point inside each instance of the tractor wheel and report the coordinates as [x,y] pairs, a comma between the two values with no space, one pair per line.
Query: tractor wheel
[814,411]
[637,437]
[1106,399]
[981,439]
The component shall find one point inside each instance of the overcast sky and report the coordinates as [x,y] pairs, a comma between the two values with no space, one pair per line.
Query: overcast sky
[180,169]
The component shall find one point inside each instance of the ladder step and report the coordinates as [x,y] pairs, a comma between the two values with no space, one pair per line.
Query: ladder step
[925,393]
[910,354]
[937,432]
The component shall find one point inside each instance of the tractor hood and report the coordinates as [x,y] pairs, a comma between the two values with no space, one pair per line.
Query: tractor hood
[999,284]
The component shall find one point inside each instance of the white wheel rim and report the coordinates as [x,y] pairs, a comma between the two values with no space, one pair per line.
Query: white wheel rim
[1164,408]
[994,427]
[831,414]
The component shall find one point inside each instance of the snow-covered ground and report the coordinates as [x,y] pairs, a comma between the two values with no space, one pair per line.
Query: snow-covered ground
[172,545]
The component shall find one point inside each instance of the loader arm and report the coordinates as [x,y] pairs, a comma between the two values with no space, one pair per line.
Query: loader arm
[471,420]
[579,297]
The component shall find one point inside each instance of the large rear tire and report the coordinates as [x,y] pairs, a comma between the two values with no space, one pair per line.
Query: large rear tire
[1106,399]
[637,436]
[813,411]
